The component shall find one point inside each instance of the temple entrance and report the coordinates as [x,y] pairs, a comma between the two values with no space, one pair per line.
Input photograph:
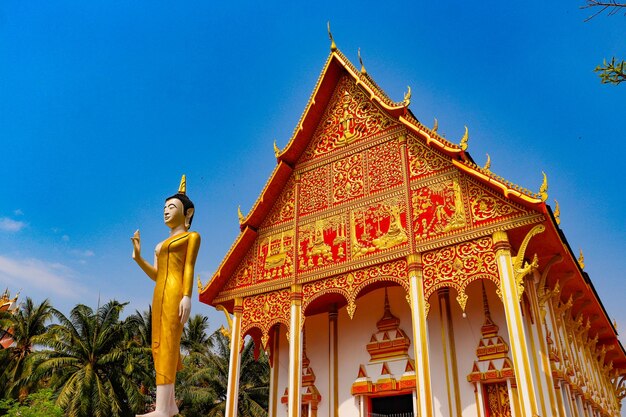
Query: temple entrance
[392,406]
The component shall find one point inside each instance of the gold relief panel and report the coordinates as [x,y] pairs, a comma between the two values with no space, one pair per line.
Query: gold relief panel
[438,208]
[314,190]
[244,274]
[384,166]
[348,178]
[275,255]
[349,117]
[378,227]
[321,243]
[284,209]
[265,310]
[486,207]
[423,160]
[459,265]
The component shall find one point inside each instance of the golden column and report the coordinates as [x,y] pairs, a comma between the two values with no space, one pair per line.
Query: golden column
[420,336]
[526,386]
[232,393]
[295,352]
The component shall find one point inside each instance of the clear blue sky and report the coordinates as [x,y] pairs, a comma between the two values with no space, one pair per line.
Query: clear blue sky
[104,104]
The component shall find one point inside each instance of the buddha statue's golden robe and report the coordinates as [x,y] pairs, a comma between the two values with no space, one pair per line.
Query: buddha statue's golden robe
[175,269]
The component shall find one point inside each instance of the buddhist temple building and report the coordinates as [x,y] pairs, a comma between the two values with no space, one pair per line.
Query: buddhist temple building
[385,273]
[9,304]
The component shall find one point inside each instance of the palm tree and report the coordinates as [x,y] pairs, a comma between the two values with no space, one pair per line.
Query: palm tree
[92,363]
[212,375]
[195,337]
[28,327]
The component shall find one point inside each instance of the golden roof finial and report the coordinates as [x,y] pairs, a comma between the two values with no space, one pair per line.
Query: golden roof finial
[363,70]
[543,190]
[200,286]
[182,188]
[276,149]
[333,45]
[407,96]
[581,260]
[488,163]
[435,126]
[557,212]
[464,139]
[240,214]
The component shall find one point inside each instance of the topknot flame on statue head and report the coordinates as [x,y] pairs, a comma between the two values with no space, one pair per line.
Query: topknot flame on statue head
[182,196]
[182,188]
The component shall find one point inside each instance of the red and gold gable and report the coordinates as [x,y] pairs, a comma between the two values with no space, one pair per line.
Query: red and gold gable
[350,117]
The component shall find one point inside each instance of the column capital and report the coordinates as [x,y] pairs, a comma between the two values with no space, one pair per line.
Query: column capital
[238,307]
[414,261]
[402,139]
[296,293]
[500,240]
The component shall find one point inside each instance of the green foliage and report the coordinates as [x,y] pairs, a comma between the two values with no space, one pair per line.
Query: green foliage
[92,363]
[38,404]
[613,72]
[28,326]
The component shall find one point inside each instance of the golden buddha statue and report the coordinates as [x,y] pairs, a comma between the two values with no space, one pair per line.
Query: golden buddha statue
[173,270]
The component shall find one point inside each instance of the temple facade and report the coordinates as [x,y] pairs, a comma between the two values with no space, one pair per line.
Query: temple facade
[385,273]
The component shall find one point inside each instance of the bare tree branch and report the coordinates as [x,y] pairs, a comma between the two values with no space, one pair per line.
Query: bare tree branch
[612,6]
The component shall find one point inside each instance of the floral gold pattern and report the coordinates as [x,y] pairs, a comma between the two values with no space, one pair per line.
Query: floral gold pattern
[457,266]
[264,311]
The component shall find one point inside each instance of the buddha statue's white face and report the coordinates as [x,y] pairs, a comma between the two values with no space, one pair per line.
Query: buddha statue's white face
[173,213]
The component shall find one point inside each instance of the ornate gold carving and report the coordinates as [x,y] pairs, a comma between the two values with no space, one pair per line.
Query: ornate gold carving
[543,190]
[498,402]
[349,117]
[488,163]
[407,97]
[322,242]
[264,311]
[458,266]
[275,255]
[348,178]
[581,260]
[240,215]
[438,209]
[522,268]
[423,160]
[229,321]
[464,139]
[557,212]
[349,285]
[333,46]
[276,149]
[377,227]
[384,166]
[486,206]
[284,208]
[314,186]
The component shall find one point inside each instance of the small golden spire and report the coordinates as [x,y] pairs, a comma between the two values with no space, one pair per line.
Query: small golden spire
[240,214]
[407,96]
[557,212]
[435,125]
[581,260]
[464,139]
[543,190]
[276,150]
[333,45]
[488,163]
[182,188]
[200,286]
[363,70]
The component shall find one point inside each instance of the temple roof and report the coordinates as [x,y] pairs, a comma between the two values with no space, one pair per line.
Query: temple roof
[552,248]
